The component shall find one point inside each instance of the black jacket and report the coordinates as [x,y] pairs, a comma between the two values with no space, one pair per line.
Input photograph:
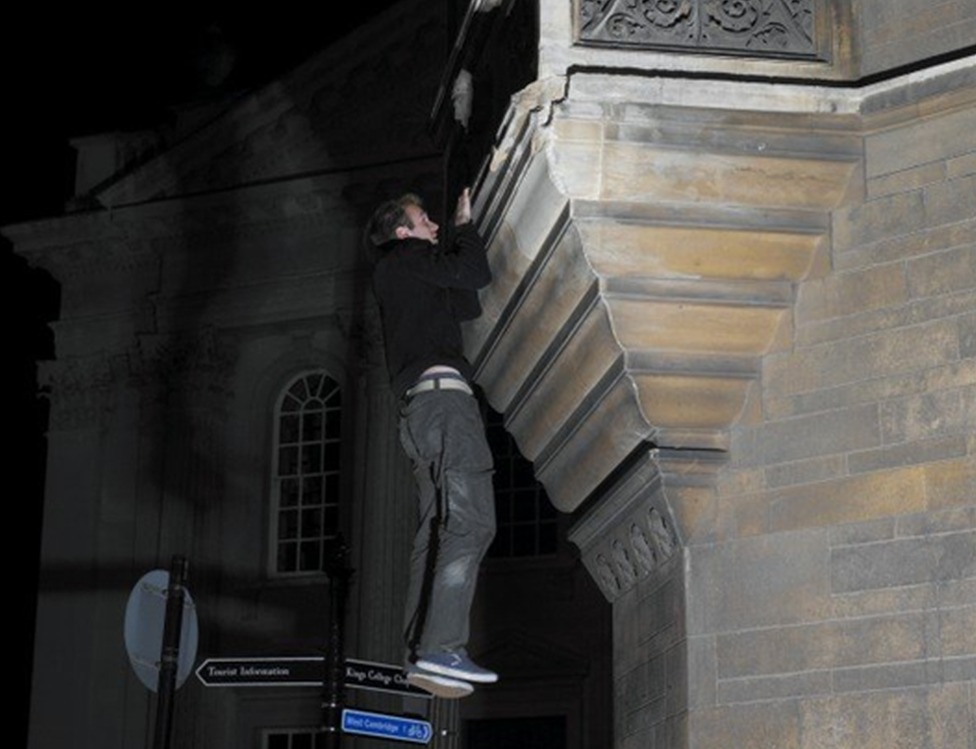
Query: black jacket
[424,294]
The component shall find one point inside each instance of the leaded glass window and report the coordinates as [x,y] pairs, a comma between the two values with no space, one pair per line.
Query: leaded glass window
[527,523]
[294,738]
[308,451]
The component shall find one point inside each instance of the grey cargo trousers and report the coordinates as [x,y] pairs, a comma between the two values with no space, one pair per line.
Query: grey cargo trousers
[444,436]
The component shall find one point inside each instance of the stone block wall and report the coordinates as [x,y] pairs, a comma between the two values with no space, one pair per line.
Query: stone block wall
[834,602]
[651,662]
[899,32]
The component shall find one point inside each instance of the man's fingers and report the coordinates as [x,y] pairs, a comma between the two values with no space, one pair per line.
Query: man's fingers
[463,213]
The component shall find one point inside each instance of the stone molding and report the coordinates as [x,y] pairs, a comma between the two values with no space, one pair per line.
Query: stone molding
[645,258]
[635,532]
[81,390]
[84,390]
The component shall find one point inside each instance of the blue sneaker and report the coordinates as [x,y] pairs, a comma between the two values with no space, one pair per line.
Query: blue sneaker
[439,686]
[456,665]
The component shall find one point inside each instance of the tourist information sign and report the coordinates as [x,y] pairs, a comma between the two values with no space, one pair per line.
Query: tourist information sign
[382,726]
[302,671]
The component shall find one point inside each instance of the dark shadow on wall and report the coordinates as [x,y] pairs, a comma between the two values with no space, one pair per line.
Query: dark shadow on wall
[32,299]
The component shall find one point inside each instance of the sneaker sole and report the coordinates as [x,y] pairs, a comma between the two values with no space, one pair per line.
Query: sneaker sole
[440,686]
[436,668]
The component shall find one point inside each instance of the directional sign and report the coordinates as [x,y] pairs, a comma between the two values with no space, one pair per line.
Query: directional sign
[261,672]
[379,677]
[384,726]
[302,672]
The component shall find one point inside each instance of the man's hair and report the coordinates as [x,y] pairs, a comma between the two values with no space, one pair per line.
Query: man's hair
[389,216]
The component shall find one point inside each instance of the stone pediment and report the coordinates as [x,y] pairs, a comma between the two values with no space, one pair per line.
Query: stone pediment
[362,101]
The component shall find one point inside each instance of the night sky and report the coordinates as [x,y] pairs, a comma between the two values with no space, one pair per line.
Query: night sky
[89,72]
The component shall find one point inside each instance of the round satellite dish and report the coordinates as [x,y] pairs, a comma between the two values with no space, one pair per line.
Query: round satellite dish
[145,616]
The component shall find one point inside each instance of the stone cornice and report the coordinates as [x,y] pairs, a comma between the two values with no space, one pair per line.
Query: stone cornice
[635,532]
[680,88]
[646,237]
[645,253]
[68,244]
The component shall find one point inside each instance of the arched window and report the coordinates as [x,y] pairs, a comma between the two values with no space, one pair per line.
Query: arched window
[308,445]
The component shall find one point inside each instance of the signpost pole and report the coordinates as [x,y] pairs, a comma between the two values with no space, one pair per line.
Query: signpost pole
[339,574]
[169,657]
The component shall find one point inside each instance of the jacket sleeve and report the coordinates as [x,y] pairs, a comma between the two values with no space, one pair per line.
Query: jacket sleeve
[463,266]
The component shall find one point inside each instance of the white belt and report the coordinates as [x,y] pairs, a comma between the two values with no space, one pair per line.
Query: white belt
[439,382]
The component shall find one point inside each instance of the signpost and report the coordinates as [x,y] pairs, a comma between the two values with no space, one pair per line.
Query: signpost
[381,726]
[303,672]
[161,634]
[307,672]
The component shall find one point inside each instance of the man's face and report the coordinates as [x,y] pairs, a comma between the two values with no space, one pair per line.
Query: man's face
[423,227]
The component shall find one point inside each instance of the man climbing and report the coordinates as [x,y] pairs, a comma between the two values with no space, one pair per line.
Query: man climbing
[425,292]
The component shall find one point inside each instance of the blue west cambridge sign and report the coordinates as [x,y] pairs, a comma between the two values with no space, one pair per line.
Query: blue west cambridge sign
[381,726]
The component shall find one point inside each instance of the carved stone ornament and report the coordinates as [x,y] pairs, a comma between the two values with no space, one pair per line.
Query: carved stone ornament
[643,553]
[753,28]
[663,535]
[637,549]
[198,365]
[81,389]
[607,577]
[628,575]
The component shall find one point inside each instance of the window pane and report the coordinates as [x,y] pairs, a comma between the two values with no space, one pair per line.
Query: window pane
[298,391]
[522,474]
[332,487]
[287,557]
[278,741]
[523,540]
[503,508]
[524,508]
[301,741]
[548,538]
[312,523]
[314,383]
[289,429]
[312,458]
[497,441]
[311,558]
[311,425]
[288,461]
[502,545]
[333,424]
[334,398]
[331,520]
[312,491]
[331,456]
[502,477]
[289,492]
[288,524]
